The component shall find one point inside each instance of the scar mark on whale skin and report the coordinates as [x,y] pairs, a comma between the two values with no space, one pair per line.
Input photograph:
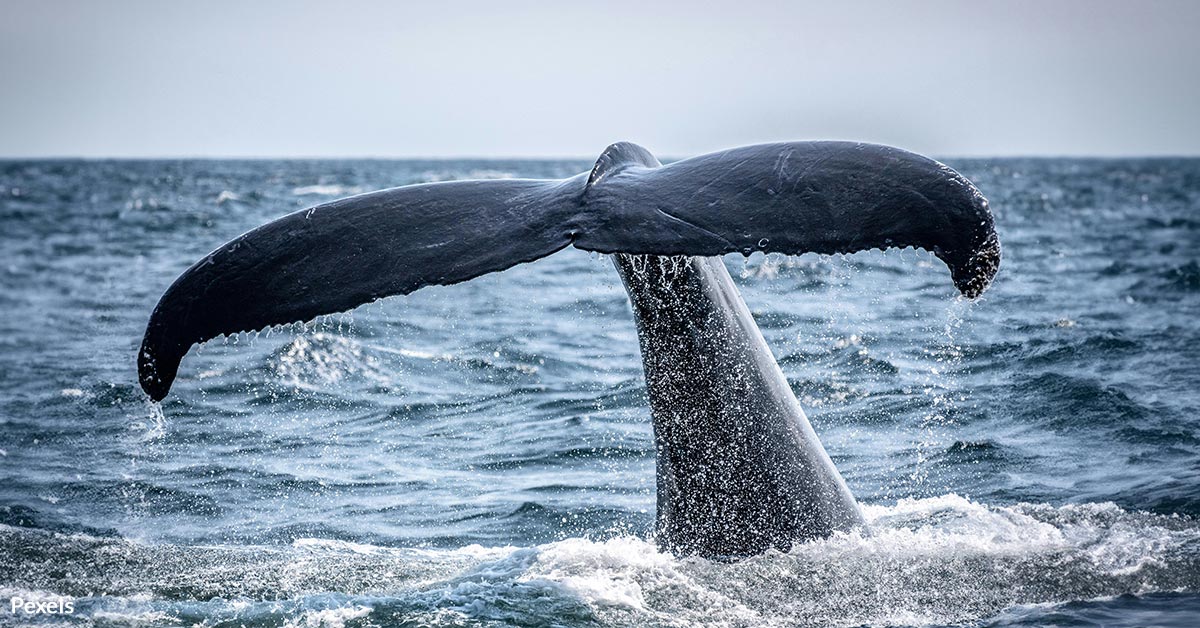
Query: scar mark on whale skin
[716,236]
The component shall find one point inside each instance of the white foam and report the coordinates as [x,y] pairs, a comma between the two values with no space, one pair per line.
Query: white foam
[338,546]
[329,617]
[318,360]
[326,190]
[939,560]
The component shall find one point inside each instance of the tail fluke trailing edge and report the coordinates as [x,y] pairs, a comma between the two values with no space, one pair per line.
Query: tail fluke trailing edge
[334,257]
[794,198]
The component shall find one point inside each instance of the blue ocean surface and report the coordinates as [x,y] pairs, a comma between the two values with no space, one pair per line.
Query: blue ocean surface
[481,454]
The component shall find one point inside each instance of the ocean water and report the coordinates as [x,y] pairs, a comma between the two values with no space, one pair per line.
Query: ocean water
[481,454]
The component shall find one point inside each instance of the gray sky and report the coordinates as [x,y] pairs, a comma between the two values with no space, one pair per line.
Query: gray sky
[502,78]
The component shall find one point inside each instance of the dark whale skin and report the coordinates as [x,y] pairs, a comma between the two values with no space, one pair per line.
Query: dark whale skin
[740,469]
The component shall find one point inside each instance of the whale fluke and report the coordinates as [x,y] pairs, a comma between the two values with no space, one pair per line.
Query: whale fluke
[796,197]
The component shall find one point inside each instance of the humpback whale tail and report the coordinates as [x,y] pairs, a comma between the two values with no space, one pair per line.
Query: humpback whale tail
[740,469]
[794,197]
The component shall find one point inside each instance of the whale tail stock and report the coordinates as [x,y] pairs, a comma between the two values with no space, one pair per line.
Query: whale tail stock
[797,197]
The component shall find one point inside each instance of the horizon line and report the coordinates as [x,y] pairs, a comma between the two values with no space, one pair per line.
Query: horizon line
[468,157]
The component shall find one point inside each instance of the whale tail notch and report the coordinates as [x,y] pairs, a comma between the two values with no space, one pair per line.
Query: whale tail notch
[793,198]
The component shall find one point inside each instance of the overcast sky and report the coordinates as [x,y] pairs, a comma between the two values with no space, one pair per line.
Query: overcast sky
[503,78]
